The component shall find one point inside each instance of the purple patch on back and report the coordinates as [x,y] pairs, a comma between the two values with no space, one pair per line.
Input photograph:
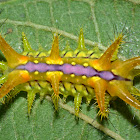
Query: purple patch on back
[40,67]
[78,70]
[107,75]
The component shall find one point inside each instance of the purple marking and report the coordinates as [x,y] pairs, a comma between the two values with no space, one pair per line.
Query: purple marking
[78,70]
[107,75]
[41,67]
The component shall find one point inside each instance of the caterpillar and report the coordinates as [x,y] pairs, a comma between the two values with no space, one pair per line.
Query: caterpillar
[80,73]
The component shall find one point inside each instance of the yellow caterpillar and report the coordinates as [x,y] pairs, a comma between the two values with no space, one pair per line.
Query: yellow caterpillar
[80,73]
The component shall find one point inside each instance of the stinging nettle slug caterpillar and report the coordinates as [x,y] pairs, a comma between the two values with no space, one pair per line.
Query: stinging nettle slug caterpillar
[80,73]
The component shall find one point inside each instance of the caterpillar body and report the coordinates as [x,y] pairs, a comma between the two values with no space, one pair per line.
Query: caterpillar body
[80,73]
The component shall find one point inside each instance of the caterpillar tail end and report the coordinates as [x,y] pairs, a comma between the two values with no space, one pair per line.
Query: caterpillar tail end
[120,89]
[126,67]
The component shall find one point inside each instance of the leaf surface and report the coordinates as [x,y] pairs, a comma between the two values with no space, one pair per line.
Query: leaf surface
[38,19]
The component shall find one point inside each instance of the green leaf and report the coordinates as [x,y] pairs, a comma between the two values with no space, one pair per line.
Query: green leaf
[38,19]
